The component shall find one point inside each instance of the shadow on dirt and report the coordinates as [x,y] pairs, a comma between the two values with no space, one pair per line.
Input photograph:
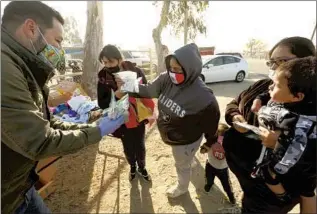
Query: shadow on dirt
[185,202]
[213,201]
[73,183]
[141,201]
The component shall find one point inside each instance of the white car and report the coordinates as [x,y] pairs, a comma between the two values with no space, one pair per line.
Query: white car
[220,68]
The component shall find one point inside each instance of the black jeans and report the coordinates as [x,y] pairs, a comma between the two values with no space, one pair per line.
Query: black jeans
[133,141]
[241,153]
[223,175]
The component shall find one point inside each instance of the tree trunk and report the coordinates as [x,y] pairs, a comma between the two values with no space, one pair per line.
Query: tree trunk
[314,31]
[93,45]
[185,23]
[156,35]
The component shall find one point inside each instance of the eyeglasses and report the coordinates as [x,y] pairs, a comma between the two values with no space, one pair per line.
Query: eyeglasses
[278,62]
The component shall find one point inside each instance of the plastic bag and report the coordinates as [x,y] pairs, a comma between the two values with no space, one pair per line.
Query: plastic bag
[143,111]
[117,108]
[130,79]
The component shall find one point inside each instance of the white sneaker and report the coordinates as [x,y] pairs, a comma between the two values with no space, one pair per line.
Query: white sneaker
[175,192]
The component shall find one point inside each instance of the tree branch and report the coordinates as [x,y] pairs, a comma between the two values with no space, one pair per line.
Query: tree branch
[163,22]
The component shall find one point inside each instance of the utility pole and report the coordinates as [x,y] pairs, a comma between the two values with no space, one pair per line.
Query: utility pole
[185,23]
[314,31]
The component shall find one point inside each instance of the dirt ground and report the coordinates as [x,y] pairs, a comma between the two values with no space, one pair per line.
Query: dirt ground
[95,180]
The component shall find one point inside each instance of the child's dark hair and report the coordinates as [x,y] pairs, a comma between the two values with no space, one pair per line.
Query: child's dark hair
[299,46]
[301,76]
[110,52]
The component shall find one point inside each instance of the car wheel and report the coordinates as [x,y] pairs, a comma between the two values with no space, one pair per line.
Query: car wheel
[202,77]
[240,76]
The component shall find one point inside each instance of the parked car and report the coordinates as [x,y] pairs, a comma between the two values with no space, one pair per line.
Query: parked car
[220,68]
[206,58]
[231,54]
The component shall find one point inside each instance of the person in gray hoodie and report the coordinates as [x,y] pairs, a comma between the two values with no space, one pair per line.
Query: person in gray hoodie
[187,108]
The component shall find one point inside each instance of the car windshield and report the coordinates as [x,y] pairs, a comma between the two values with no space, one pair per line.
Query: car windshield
[205,59]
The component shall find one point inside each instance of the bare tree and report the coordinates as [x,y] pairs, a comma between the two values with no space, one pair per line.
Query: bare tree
[187,17]
[92,47]
[184,17]
[254,47]
[314,32]
[71,33]
[156,35]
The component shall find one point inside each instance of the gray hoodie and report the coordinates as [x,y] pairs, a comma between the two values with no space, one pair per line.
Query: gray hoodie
[188,110]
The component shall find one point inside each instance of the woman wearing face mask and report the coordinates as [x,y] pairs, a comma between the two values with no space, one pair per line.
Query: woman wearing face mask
[132,134]
[243,148]
[187,110]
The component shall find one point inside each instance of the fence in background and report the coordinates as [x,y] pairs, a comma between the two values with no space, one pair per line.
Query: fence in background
[74,70]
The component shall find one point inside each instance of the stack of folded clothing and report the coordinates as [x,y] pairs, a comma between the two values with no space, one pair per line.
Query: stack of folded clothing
[79,109]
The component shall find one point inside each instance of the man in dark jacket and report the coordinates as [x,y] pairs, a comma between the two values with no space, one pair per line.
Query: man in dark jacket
[31,36]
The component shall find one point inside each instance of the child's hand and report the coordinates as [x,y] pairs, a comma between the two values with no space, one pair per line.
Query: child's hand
[204,149]
[257,104]
[269,138]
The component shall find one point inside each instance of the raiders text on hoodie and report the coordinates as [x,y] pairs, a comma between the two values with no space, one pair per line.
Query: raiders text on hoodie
[188,110]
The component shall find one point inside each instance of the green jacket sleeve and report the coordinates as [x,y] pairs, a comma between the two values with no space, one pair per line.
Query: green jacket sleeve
[57,124]
[23,128]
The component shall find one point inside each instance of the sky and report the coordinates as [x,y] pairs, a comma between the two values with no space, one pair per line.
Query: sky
[230,24]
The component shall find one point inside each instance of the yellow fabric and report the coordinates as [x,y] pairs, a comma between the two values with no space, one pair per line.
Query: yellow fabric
[143,111]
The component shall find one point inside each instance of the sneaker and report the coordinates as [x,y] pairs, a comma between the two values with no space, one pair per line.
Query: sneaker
[175,192]
[144,174]
[132,173]
[207,188]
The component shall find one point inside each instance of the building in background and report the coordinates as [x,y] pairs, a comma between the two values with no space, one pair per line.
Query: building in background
[207,51]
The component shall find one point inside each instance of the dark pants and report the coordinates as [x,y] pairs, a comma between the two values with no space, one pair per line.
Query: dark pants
[241,153]
[222,174]
[133,141]
[33,203]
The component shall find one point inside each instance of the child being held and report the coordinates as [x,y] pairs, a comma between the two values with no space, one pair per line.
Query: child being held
[216,164]
[290,115]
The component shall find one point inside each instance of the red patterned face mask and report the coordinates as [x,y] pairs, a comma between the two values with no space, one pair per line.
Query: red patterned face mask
[177,78]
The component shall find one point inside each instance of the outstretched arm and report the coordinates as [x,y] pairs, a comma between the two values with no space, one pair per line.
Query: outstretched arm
[151,90]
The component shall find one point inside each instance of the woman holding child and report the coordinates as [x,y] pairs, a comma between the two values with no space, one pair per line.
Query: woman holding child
[243,148]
